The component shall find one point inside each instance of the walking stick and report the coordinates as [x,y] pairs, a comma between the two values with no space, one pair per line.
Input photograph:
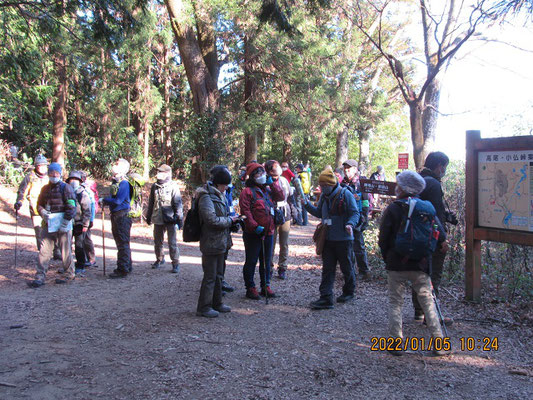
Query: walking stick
[439,313]
[16,235]
[103,236]
[264,270]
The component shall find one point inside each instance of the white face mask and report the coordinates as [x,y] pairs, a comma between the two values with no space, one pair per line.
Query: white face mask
[261,180]
[284,168]
[75,183]
[278,171]
[54,179]
[161,176]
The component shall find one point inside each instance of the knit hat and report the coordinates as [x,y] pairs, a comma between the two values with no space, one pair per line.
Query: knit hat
[299,166]
[250,168]
[327,177]
[220,175]
[411,182]
[55,167]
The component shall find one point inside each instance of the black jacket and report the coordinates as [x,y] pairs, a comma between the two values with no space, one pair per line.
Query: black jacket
[355,187]
[433,193]
[390,224]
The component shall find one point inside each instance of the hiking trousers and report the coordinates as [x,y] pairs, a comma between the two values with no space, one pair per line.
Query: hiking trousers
[282,233]
[421,284]
[159,238]
[341,252]
[211,289]
[121,228]
[437,266]
[47,251]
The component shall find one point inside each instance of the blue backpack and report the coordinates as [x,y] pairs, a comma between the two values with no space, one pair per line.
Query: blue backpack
[418,234]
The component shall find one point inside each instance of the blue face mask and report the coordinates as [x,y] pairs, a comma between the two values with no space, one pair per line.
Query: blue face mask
[327,190]
[261,180]
[53,179]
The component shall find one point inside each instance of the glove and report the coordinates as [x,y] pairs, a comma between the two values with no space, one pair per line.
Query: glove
[269,181]
[64,225]
[44,215]
[349,229]
[17,206]
[260,230]
[149,221]
[91,224]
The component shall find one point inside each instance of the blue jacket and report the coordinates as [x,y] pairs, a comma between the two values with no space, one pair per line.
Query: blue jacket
[121,201]
[344,212]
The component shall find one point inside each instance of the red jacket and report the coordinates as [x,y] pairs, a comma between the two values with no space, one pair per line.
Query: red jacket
[257,212]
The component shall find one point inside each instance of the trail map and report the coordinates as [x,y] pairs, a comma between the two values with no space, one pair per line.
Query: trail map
[505,190]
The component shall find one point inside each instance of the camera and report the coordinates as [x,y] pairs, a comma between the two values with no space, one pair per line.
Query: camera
[238,222]
[450,217]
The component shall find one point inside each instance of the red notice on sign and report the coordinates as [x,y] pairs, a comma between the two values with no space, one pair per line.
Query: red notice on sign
[403,160]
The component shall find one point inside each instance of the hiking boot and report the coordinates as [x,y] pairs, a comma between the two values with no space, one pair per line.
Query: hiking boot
[223,308]
[365,275]
[282,274]
[35,283]
[60,271]
[61,281]
[118,274]
[440,353]
[322,304]
[57,256]
[447,321]
[419,315]
[91,265]
[175,268]
[209,313]
[396,352]
[80,272]
[226,287]
[268,292]
[344,298]
[251,293]
[158,264]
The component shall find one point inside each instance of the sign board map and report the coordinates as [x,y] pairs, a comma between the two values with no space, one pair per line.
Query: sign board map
[379,187]
[505,189]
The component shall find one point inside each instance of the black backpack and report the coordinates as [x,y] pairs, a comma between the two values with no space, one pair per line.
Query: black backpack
[192,227]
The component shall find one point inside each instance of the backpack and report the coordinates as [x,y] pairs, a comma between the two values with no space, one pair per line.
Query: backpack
[305,179]
[418,234]
[136,182]
[279,214]
[192,227]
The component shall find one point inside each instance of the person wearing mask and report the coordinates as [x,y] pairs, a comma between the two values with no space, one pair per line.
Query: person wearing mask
[378,175]
[282,231]
[257,204]
[119,205]
[351,182]
[29,189]
[295,194]
[90,187]
[215,240]
[338,211]
[82,220]
[304,177]
[56,205]
[402,270]
[165,211]
[434,170]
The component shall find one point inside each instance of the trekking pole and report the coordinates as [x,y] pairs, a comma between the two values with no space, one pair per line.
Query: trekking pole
[103,236]
[16,235]
[264,271]
[439,312]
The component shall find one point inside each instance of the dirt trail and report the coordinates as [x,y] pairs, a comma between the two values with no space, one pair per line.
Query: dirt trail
[139,338]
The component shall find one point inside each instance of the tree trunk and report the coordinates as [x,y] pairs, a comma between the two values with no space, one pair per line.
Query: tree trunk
[167,139]
[364,147]
[430,112]
[102,124]
[59,113]
[287,145]
[250,91]
[417,133]
[341,153]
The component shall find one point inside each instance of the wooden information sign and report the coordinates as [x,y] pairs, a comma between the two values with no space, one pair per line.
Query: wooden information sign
[379,187]
[499,198]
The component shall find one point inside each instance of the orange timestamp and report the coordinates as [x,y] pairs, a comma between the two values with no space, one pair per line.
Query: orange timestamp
[410,343]
[483,344]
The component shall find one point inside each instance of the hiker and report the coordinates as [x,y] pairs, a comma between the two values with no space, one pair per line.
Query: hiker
[434,170]
[378,175]
[351,182]
[119,205]
[338,210]
[305,179]
[165,211]
[295,193]
[230,206]
[56,205]
[282,231]
[82,221]
[215,240]
[29,189]
[257,204]
[90,187]
[400,267]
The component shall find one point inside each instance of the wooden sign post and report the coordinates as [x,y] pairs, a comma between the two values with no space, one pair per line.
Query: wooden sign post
[499,198]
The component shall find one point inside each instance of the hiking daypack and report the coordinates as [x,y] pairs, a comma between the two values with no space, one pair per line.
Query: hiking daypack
[305,180]
[279,214]
[418,234]
[192,227]
[136,182]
